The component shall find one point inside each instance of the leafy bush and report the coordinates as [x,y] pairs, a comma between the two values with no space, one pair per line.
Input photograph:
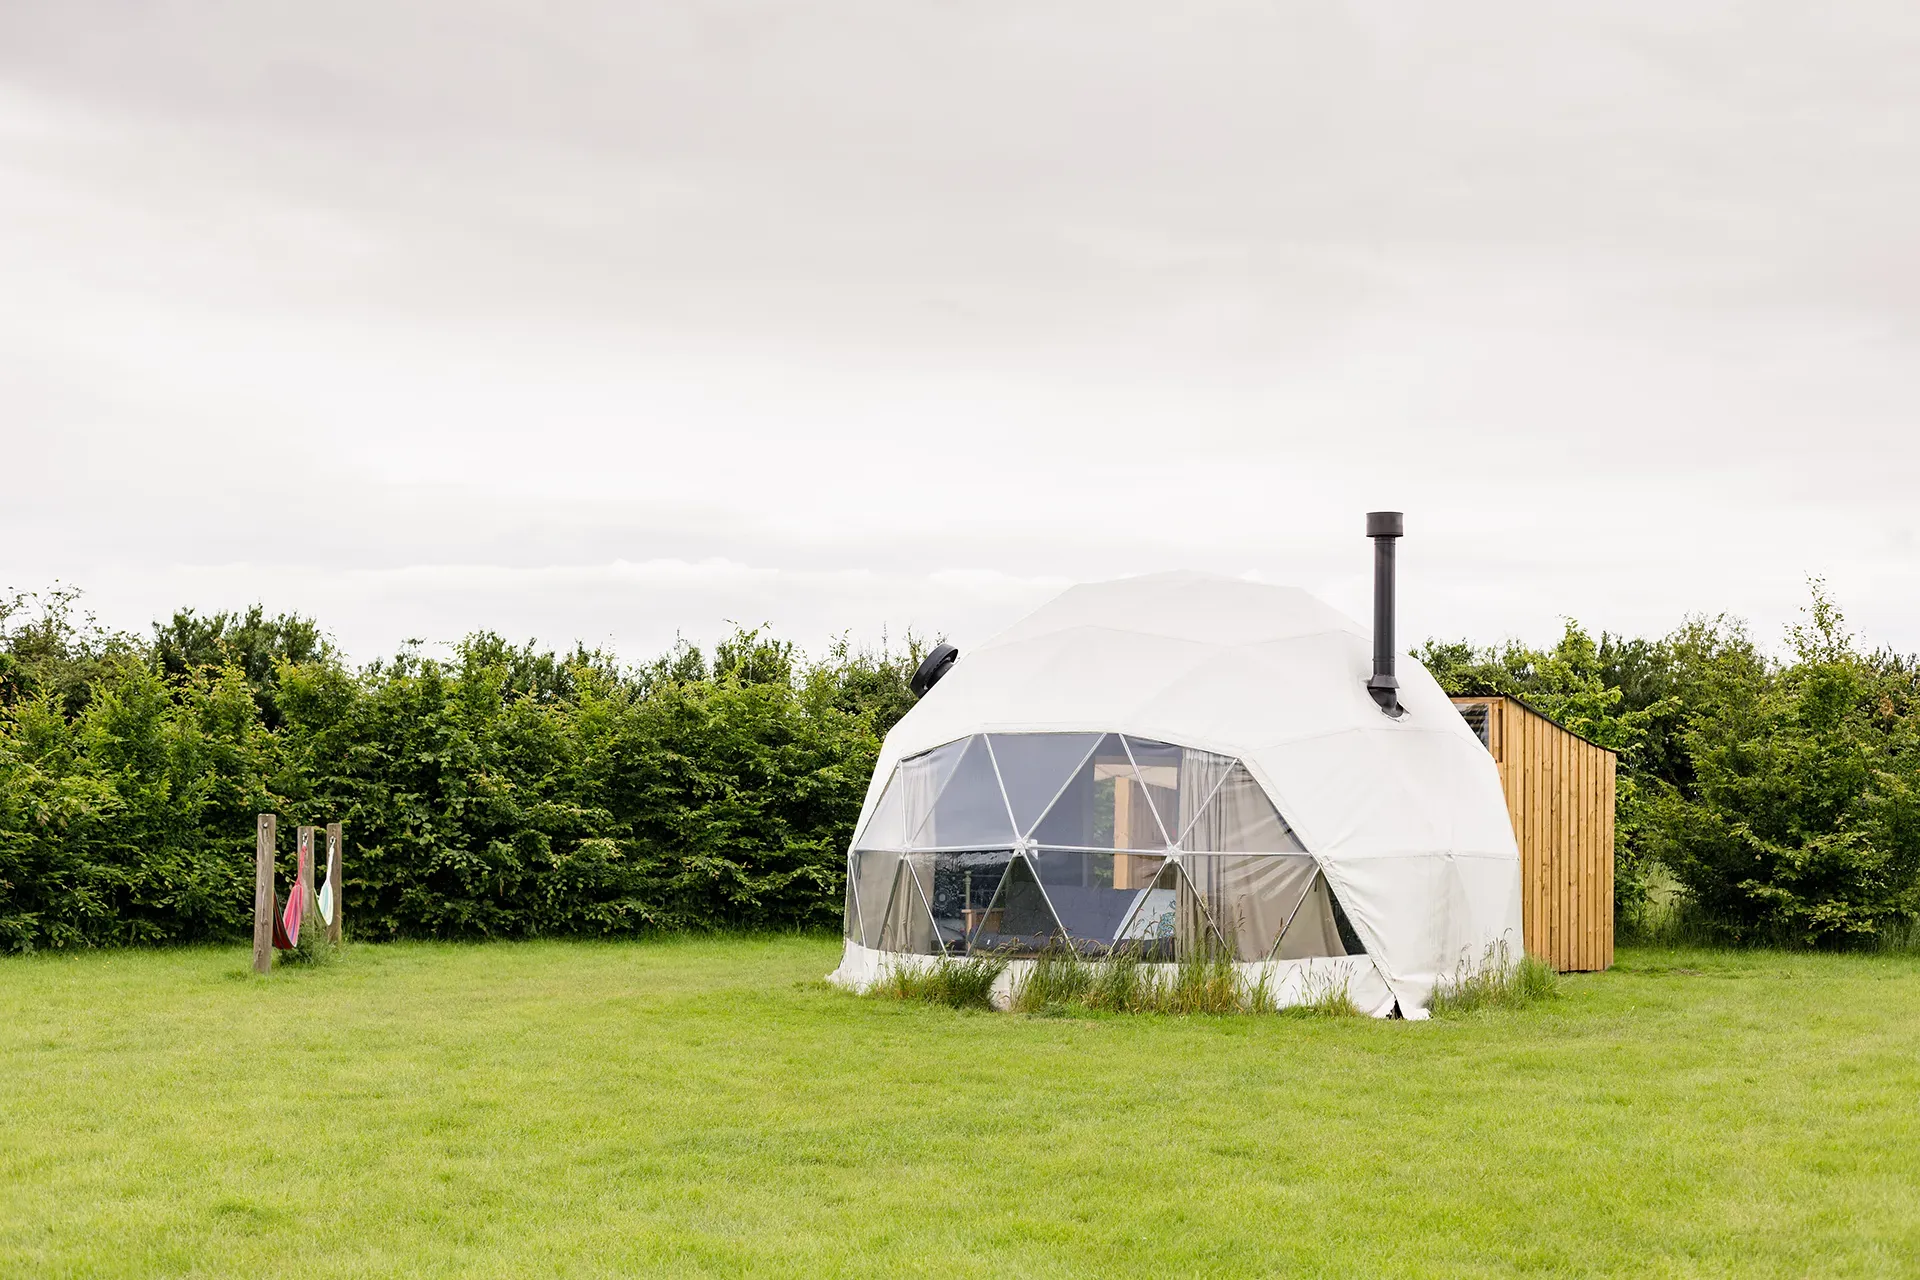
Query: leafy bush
[1782,796]
[1576,683]
[1802,823]
[510,791]
[506,792]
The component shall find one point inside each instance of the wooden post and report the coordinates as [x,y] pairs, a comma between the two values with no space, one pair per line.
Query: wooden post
[335,865]
[263,894]
[303,871]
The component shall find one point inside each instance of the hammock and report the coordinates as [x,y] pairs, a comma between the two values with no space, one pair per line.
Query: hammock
[286,923]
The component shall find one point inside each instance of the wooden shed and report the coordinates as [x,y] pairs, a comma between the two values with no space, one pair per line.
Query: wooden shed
[1559,789]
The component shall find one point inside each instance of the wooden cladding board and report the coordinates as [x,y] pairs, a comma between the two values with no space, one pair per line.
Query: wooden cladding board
[1559,791]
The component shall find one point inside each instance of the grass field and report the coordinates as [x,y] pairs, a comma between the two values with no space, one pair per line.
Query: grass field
[709,1107]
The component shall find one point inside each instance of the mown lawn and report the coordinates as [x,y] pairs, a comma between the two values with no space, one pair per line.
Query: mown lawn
[711,1108]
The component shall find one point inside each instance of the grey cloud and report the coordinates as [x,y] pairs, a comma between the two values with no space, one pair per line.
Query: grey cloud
[852,294]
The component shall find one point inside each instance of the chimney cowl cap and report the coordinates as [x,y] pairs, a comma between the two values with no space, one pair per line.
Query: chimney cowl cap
[1386,524]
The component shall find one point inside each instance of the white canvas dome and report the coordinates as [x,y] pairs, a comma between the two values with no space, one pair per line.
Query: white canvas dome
[1187,752]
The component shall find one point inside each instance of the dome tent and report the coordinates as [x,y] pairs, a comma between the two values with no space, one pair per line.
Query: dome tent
[1157,760]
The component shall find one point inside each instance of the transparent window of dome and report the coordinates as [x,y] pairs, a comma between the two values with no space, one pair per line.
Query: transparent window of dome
[937,869]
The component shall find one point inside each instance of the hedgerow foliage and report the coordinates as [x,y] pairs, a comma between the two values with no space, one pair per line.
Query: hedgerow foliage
[1802,820]
[1781,794]
[504,792]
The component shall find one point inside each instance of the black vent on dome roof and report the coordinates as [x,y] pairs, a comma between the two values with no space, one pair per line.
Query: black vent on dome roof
[932,667]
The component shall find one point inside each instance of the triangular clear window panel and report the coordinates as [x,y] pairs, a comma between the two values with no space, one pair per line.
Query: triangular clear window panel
[873,874]
[1240,819]
[850,920]
[909,923]
[887,828]
[1314,929]
[1093,895]
[1171,921]
[1201,773]
[1035,767]
[1250,897]
[1196,931]
[1019,921]
[962,889]
[921,779]
[1160,767]
[1103,806]
[1153,922]
[970,811]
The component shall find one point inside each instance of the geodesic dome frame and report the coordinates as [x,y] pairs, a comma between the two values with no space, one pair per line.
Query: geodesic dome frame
[1016,843]
[1403,817]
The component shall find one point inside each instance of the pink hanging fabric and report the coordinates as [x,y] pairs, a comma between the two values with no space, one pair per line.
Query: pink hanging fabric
[286,929]
[290,918]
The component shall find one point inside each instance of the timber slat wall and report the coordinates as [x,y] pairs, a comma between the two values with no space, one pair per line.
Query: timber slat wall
[1560,799]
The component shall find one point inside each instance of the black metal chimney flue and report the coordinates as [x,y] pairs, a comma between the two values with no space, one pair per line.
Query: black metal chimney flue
[1385,528]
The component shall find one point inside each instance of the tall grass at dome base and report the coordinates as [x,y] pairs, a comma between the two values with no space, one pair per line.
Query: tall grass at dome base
[1323,996]
[1206,981]
[1496,981]
[957,984]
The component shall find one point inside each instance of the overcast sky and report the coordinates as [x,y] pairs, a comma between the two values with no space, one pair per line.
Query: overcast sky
[613,320]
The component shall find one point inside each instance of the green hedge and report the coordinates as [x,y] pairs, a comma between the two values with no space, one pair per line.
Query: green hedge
[1780,795]
[507,792]
[503,793]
